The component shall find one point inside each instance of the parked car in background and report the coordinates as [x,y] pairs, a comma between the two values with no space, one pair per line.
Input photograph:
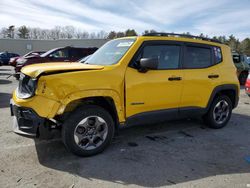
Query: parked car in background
[5,57]
[240,62]
[247,85]
[13,60]
[84,59]
[248,60]
[64,54]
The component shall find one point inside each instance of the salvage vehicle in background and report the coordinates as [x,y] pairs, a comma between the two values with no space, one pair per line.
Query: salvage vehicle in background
[128,81]
[240,62]
[5,57]
[63,54]
[13,60]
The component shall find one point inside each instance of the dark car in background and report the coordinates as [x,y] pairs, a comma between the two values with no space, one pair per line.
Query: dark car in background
[5,57]
[13,60]
[63,54]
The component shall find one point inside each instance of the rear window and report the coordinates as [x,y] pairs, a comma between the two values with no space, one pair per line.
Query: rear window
[197,57]
[217,54]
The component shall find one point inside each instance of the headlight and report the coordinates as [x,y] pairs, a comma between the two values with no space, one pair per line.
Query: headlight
[26,87]
[21,61]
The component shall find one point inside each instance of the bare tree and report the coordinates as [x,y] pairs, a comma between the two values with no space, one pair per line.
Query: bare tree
[10,31]
[4,32]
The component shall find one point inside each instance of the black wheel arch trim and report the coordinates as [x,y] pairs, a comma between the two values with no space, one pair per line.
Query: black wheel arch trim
[221,88]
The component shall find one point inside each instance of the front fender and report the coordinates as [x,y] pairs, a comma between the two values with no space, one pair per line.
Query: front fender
[119,105]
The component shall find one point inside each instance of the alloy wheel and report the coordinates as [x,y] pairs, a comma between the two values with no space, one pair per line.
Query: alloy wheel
[91,132]
[221,112]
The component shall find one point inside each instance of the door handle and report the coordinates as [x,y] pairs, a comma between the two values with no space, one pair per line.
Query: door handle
[213,76]
[174,78]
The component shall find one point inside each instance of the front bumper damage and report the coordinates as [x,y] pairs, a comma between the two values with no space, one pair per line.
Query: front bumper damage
[26,122]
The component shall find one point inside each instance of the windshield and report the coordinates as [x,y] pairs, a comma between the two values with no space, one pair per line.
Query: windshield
[111,52]
[48,52]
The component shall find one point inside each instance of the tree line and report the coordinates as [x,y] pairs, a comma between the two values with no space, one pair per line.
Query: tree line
[70,32]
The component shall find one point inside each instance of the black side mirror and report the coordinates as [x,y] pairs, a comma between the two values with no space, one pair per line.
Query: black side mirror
[148,64]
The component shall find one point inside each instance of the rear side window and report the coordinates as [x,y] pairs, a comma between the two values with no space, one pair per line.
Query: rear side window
[197,57]
[217,54]
[168,55]
[81,52]
[76,53]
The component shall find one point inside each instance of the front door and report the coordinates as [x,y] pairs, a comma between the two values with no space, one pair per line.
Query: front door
[155,90]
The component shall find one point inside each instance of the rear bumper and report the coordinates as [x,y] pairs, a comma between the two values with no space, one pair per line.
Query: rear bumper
[25,120]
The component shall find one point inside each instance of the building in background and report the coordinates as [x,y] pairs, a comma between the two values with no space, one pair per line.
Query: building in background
[22,46]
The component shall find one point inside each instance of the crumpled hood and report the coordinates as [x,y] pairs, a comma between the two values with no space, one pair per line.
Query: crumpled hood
[37,69]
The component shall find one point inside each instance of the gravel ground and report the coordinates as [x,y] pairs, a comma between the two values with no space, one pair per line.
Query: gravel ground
[181,153]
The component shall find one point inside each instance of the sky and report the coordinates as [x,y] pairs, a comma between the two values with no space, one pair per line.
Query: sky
[210,17]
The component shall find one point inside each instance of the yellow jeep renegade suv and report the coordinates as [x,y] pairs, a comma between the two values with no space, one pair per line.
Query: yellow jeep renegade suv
[133,80]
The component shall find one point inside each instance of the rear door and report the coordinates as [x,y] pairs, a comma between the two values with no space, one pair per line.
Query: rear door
[201,75]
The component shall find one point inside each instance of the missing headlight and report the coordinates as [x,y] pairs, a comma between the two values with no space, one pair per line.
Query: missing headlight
[27,87]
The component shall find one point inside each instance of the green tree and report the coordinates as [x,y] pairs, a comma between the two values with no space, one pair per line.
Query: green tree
[23,32]
[222,39]
[130,32]
[149,31]
[120,34]
[111,35]
[245,46]
[233,43]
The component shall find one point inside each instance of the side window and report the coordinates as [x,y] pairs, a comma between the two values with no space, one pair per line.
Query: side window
[197,57]
[168,55]
[63,53]
[76,53]
[217,54]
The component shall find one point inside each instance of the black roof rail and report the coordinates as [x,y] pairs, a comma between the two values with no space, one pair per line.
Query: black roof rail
[182,35]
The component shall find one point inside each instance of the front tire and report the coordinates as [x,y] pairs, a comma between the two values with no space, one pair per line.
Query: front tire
[219,112]
[88,130]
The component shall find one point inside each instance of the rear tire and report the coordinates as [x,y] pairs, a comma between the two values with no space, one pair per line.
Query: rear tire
[88,130]
[219,112]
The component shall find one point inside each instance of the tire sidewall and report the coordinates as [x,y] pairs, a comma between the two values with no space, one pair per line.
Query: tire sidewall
[73,120]
[210,118]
